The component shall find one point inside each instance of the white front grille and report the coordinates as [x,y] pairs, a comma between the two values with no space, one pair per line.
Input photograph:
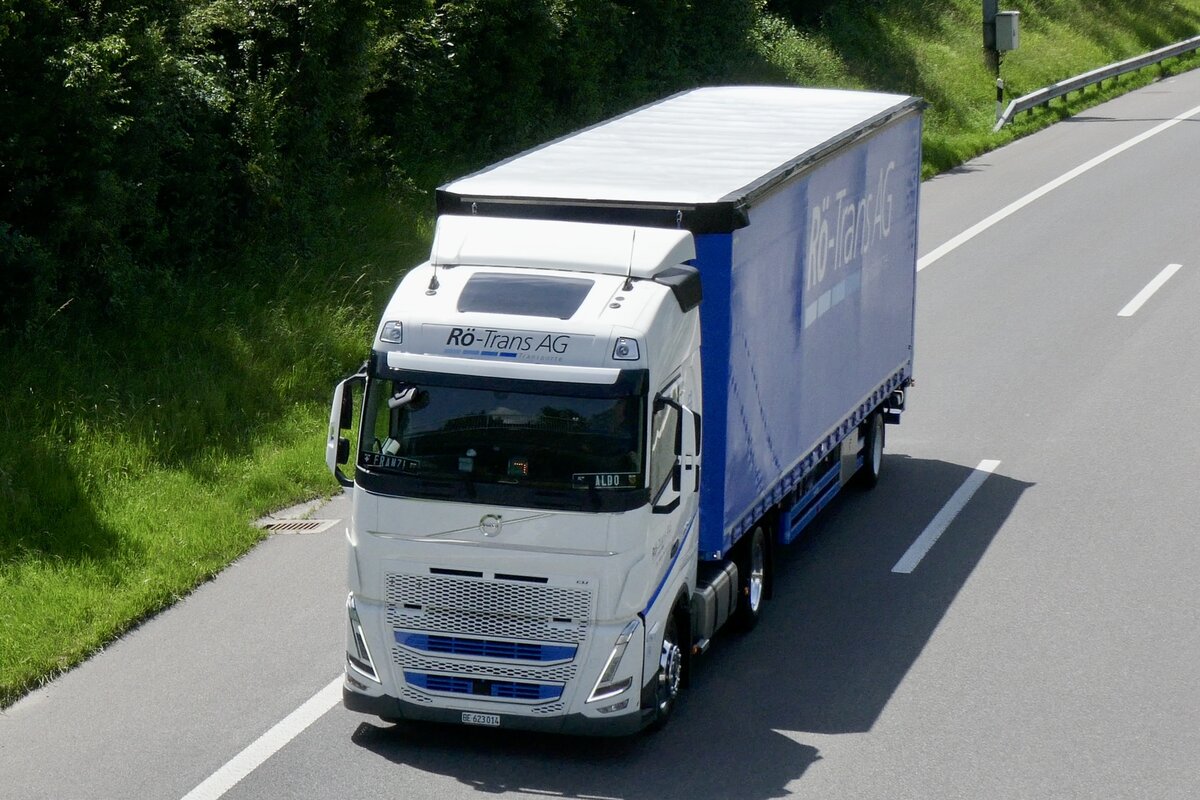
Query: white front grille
[489,597]
[491,610]
[486,625]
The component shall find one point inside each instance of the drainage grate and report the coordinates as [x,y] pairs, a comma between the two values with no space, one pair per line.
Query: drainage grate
[298,525]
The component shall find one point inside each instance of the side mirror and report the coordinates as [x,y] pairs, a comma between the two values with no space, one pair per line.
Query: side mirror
[341,418]
[347,418]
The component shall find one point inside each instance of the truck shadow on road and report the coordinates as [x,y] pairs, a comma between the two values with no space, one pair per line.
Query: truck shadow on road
[839,635]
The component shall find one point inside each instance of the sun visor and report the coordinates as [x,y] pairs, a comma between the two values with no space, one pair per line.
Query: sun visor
[545,244]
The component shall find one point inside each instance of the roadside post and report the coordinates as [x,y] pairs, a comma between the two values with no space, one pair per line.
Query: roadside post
[1001,32]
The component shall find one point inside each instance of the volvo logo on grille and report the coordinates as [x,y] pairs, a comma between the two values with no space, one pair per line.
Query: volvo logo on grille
[490,524]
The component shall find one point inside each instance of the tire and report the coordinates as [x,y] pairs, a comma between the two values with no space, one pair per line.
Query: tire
[868,475]
[668,681]
[753,574]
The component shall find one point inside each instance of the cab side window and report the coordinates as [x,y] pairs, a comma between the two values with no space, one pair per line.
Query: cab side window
[663,434]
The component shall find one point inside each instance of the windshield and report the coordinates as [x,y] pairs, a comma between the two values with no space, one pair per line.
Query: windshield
[485,435]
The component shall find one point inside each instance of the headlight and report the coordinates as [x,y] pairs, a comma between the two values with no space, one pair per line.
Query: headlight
[357,654]
[606,686]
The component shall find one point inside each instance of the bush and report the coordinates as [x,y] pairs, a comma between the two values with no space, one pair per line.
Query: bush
[457,84]
[153,138]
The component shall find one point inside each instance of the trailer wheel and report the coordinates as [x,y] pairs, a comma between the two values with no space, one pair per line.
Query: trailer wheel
[868,475]
[668,683]
[753,573]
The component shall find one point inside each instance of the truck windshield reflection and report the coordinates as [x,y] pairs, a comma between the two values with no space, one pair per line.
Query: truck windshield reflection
[486,436]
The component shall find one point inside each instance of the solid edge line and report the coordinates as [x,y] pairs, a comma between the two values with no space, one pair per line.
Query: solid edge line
[267,745]
[937,526]
[1145,294]
[1017,205]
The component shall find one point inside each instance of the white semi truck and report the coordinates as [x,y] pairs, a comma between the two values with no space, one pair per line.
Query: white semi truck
[639,359]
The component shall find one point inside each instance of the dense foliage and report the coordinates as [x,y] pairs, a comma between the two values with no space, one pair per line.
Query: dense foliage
[141,139]
[144,138]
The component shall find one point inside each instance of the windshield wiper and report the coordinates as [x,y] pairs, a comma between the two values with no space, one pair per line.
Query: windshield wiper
[444,486]
[583,501]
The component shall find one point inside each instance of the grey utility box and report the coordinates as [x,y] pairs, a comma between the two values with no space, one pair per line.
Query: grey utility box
[1006,30]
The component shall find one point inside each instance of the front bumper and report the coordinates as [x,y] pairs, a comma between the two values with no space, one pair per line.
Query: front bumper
[394,709]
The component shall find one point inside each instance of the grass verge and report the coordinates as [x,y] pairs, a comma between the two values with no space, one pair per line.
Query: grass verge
[137,455]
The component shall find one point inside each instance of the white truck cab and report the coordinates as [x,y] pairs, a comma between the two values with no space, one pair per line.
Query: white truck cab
[527,478]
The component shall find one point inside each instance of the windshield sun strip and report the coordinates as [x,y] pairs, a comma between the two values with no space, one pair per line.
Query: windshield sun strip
[628,382]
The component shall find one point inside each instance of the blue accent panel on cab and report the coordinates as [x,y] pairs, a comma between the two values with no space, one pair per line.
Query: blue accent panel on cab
[505,690]
[440,683]
[670,567]
[484,648]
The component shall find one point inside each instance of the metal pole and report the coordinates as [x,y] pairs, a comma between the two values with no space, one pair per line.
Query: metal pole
[990,54]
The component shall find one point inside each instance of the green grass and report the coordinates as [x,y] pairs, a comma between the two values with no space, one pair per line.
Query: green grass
[135,453]
[933,49]
[135,456]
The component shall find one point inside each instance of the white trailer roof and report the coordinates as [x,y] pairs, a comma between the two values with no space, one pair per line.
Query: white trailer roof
[699,147]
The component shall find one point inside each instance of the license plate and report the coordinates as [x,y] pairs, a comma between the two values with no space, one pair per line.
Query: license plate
[469,718]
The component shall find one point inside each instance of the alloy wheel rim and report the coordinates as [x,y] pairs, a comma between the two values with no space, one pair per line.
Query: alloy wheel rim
[670,672]
[758,571]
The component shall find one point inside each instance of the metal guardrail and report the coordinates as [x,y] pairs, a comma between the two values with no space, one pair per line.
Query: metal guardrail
[1062,88]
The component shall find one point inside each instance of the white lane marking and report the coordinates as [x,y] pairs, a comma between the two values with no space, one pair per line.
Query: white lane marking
[1017,205]
[268,744]
[937,526]
[1153,286]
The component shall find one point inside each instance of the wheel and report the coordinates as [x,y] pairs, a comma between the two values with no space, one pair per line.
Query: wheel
[868,475]
[752,576]
[669,681]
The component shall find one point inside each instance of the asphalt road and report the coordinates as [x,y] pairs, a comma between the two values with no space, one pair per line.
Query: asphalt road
[1046,646]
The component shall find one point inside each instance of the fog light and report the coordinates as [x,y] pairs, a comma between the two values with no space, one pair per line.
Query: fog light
[614,707]
[355,683]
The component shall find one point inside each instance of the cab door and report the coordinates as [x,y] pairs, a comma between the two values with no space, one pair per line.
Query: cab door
[674,475]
